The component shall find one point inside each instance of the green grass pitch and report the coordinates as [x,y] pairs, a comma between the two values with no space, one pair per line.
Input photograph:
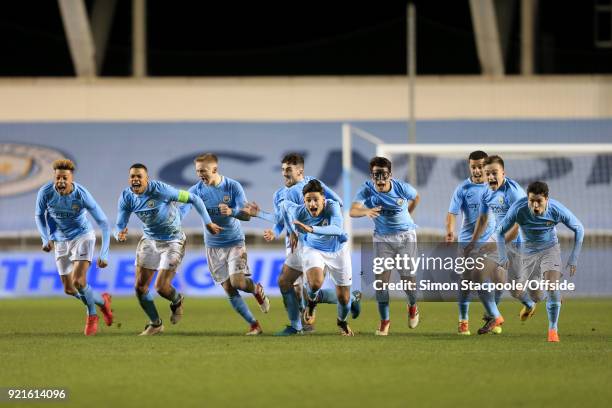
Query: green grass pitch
[206,361]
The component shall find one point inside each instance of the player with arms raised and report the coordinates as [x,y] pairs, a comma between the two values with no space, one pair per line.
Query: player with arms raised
[60,215]
[537,215]
[162,245]
[390,203]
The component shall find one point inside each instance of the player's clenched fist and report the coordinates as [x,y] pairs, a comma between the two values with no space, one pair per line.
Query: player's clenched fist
[213,228]
[225,210]
[373,212]
[268,235]
[122,235]
[450,236]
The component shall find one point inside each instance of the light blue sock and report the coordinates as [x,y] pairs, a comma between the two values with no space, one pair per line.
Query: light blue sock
[412,297]
[327,296]
[498,296]
[87,294]
[488,301]
[464,304]
[382,297]
[343,310]
[526,300]
[383,310]
[553,307]
[96,297]
[293,310]
[147,304]
[242,308]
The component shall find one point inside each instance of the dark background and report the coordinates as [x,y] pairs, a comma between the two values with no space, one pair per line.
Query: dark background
[196,38]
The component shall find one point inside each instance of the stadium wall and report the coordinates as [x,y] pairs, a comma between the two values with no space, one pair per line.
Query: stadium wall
[304,98]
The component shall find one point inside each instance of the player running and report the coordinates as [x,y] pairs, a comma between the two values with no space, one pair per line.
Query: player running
[390,203]
[226,251]
[320,222]
[466,200]
[292,168]
[63,225]
[537,216]
[162,245]
[502,193]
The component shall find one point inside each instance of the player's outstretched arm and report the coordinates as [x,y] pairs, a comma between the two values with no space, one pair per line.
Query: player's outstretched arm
[450,227]
[359,210]
[254,210]
[123,217]
[239,214]
[102,221]
[288,214]
[41,221]
[506,225]
[198,204]
[573,223]
[335,222]
[185,197]
[410,194]
[481,225]
[512,233]
[184,210]
[454,208]
[241,201]
[413,203]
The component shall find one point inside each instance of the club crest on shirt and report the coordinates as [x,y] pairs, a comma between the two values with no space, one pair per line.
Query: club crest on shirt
[400,201]
[226,199]
[501,199]
[151,203]
[75,207]
[549,223]
[325,223]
